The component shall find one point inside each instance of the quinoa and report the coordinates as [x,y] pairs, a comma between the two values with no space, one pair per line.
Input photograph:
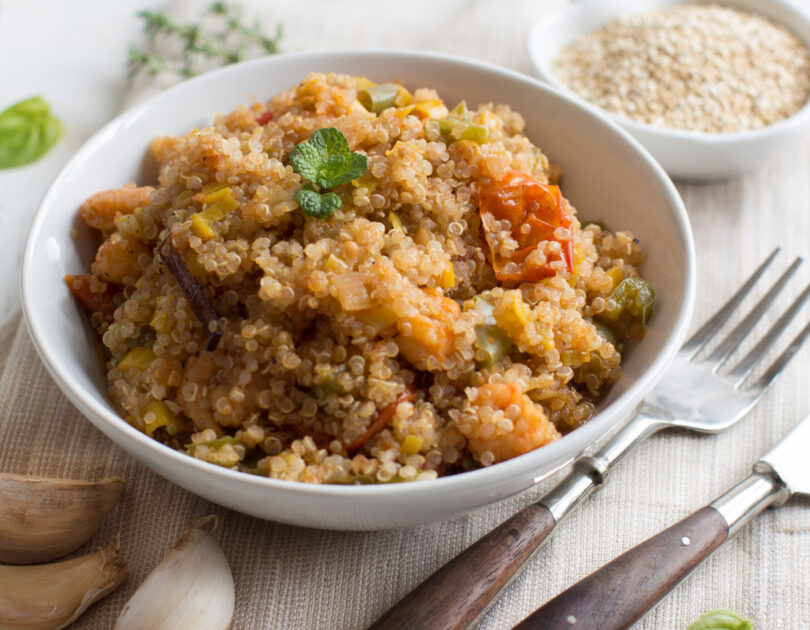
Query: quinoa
[697,67]
[383,343]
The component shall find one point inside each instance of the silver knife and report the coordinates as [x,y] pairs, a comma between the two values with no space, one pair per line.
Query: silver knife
[622,591]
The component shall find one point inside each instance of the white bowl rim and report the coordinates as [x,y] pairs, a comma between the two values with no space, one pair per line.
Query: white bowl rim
[587,433]
[794,122]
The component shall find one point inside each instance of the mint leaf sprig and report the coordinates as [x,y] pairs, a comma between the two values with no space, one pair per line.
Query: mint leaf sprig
[326,161]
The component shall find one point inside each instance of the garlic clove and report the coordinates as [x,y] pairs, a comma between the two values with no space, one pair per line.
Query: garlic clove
[45,518]
[191,589]
[52,596]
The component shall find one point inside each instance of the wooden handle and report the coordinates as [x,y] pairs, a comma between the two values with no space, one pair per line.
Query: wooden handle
[620,592]
[455,595]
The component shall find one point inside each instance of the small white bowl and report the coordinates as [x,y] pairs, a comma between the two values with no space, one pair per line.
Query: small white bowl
[689,155]
[607,175]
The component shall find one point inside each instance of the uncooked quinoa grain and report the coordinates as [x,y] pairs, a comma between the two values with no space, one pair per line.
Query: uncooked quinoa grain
[382,343]
[697,67]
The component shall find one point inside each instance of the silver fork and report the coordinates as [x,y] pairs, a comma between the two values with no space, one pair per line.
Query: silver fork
[695,393]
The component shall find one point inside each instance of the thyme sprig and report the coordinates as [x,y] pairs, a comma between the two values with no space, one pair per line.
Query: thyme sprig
[220,38]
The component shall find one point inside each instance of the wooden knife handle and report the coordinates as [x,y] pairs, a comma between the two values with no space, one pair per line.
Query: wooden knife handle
[620,592]
[456,594]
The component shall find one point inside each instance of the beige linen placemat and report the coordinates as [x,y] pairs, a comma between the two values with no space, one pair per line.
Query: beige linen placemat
[297,579]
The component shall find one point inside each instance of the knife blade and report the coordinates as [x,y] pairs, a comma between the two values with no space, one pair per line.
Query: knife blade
[619,593]
[789,460]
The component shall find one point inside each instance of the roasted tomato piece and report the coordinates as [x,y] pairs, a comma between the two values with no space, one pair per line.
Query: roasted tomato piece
[93,302]
[538,215]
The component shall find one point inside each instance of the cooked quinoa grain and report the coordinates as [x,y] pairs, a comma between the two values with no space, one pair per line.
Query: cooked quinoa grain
[451,313]
[696,67]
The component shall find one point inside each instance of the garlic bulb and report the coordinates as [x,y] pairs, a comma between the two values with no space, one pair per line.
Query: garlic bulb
[52,596]
[44,518]
[192,588]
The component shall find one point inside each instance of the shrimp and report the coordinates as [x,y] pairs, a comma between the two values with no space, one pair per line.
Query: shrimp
[211,404]
[100,210]
[501,422]
[117,260]
[429,335]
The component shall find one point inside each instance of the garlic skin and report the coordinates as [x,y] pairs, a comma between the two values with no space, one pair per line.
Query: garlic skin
[52,596]
[191,589]
[46,518]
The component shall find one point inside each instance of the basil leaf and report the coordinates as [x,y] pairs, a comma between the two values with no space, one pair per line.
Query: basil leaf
[27,132]
[721,619]
[315,204]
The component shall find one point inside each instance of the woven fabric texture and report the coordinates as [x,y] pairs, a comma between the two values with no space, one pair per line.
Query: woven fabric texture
[295,578]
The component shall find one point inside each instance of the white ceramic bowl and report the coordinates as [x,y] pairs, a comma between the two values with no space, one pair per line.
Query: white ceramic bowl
[683,154]
[607,175]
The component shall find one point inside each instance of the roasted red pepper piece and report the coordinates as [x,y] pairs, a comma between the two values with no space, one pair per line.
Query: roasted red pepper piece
[534,211]
[385,416]
[265,118]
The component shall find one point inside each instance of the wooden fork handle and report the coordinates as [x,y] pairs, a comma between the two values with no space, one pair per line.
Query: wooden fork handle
[457,593]
[619,593]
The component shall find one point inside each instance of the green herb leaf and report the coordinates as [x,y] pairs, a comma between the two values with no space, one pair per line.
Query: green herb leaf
[221,37]
[27,132]
[326,160]
[315,204]
[721,619]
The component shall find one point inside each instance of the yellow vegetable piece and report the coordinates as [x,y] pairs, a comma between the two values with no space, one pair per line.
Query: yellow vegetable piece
[220,209]
[483,118]
[616,275]
[219,204]
[160,320]
[164,417]
[516,311]
[574,357]
[396,222]
[217,193]
[139,358]
[361,83]
[403,98]
[430,108]
[512,314]
[404,111]
[448,277]
[380,318]
[213,186]
[366,181]
[202,227]
[335,264]
[579,258]
[411,445]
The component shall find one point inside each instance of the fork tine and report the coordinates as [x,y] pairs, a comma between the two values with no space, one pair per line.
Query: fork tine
[762,383]
[750,360]
[699,339]
[730,343]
